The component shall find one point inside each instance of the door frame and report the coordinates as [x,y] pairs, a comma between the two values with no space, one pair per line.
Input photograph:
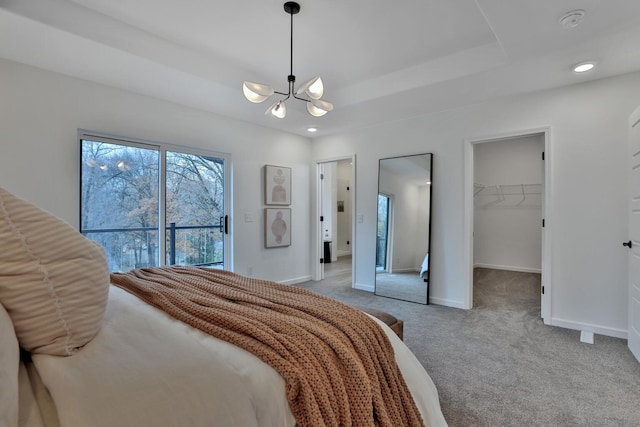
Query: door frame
[317,241]
[546,300]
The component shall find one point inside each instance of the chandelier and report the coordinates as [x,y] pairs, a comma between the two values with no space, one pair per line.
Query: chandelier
[313,89]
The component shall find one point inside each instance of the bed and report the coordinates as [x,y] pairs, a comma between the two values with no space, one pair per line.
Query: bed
[97,354]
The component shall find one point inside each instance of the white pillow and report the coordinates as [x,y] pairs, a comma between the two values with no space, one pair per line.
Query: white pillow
[54,282]
[9,365]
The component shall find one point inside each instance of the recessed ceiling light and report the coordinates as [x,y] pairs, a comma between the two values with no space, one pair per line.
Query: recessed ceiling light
[312,129]
[584,67]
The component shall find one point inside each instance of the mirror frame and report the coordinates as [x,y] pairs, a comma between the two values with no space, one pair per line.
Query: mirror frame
[427,279]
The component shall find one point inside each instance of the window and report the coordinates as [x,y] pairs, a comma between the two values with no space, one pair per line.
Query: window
[153,204]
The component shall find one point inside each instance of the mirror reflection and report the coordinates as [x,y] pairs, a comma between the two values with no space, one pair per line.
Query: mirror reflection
[404,227]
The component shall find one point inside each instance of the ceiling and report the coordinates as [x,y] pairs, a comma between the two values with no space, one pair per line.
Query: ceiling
[379,60]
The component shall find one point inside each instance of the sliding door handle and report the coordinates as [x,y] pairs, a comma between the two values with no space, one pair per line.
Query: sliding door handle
[628,244]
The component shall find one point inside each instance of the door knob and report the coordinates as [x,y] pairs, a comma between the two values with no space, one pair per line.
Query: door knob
[629,244]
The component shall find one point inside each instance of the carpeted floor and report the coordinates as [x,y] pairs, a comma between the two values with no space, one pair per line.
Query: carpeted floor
[499,365]
[404,286]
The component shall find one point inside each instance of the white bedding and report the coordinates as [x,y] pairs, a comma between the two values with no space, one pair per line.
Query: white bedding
[145,368]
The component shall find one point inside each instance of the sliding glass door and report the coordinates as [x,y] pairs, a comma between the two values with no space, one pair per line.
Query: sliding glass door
[151,205]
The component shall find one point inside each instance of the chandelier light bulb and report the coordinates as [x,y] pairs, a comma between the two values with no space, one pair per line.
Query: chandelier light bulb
[278,109]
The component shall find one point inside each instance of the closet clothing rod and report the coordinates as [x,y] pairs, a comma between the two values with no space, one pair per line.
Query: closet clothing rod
[501,190]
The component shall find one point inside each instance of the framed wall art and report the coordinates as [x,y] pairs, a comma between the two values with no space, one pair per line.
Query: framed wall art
[277,185]
[277,227]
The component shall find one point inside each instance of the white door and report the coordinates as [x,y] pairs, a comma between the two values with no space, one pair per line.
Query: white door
[634,230]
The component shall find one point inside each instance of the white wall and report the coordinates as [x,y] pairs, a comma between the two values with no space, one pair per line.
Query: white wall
[507,223]
[41,111]
[587,218]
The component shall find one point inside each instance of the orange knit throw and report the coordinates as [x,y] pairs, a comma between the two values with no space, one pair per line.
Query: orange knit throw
[337,363]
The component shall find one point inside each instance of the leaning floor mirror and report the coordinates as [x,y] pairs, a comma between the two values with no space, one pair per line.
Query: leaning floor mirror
[404,227]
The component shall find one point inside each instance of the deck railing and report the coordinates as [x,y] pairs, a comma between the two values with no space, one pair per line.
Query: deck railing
[171,233]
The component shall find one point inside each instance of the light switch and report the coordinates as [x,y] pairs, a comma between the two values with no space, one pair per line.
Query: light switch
[248,217]
[360,218]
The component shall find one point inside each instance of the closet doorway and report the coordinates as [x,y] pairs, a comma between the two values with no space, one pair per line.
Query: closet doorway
[506,209]
[335,231]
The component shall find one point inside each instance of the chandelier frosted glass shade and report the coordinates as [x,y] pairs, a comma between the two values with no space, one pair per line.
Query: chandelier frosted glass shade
[314,88]
[318,107]
[256,92]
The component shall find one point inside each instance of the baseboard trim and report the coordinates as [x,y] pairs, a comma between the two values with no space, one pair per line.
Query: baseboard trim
[364,287]
[446,302]
[579,326]
[296,280]
[508,268]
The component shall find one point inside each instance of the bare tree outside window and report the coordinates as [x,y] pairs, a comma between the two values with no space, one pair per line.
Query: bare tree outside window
[195,189]
[120,205]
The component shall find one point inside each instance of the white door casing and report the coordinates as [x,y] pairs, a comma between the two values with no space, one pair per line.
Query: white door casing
[634,231]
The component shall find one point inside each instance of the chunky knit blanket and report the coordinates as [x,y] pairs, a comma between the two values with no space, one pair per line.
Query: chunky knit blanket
[337,363]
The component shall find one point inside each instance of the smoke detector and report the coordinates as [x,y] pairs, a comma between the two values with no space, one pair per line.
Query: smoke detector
[572,19]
